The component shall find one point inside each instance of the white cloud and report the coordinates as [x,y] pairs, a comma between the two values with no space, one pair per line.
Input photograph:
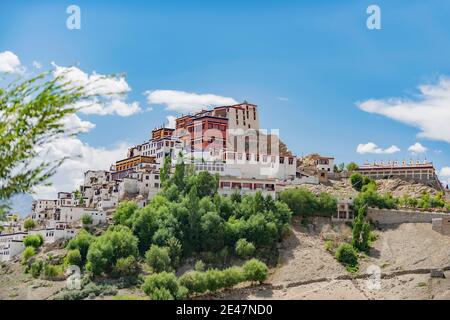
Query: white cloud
[282,98]
[110,92]
[417,148]
[429,111]
[10,63]
[371,147]
[444,175]
[445,172]
[186,102]
[83,157]
[171,122]
[37,64]
[73,123]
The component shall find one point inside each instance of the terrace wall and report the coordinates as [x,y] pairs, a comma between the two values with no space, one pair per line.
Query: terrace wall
[387,216]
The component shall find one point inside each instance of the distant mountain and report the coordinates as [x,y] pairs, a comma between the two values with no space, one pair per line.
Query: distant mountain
[21,204]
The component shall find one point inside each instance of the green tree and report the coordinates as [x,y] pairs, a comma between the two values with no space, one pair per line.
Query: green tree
[32,114]
[356,180]
[165,172]
[79,196]
[73,258]
[29,224]
[327,204]
[212,230]
[117,242]
[34,240]
[179,175]
[28,253]
[352,167]
[81,242]
[255,270]
[124,213]
[158,259]
[301,201]
[244,249]
[358,227]
[36,268]
[86,220]
[347,255]
[205,183]
[163,286]
[126,267]
[199,265]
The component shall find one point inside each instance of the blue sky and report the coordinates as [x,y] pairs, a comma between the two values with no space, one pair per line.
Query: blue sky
[307,64]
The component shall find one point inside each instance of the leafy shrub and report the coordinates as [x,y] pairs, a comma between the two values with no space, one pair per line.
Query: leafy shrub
[304,203]
[214,279]
[29,224]
[232,276]
[356,180]
[36,268]
[255,270]
[117,242]
[126,267]
[194,281]
[28,253]
[81,242]
[199,266]
[73,258]
[347,255]
[211,280]
[329,245]
[90,289]
[53,271]
[158,258]
[352,167]
[175,251]
[163,286]
[34,240]
[244,249]
[87,220]
[124,213]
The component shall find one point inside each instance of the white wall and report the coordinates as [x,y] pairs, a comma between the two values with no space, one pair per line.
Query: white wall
[10,250]
[74,214]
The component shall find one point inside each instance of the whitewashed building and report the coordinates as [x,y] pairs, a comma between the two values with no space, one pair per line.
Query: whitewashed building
[74,214]
[11,245]
[11,249]
[229,185]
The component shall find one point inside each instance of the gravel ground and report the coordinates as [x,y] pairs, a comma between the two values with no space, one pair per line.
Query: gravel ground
[308,271]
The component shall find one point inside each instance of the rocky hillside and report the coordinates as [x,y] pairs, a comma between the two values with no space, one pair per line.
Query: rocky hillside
[397,187]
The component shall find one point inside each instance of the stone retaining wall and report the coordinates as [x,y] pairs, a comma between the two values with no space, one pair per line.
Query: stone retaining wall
[387,216]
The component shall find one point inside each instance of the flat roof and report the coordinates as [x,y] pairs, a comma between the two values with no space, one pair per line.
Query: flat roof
[396,167]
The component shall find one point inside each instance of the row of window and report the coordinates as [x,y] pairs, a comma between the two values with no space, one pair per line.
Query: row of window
[265,158]
[200,167]
[247,185]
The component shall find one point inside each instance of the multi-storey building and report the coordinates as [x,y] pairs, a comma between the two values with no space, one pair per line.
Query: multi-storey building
[231,134]
[131,164]
[419,171]
[65,199]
